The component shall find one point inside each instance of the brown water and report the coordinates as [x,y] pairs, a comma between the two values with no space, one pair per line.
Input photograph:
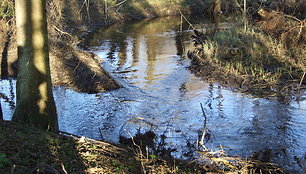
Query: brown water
[147,58]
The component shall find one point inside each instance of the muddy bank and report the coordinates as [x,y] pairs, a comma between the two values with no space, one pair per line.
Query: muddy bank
[70,66]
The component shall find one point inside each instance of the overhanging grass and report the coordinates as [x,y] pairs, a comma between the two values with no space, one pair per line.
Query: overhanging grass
[253,58]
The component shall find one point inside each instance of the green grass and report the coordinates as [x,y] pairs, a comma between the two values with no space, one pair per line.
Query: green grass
[25,148]
[253,55]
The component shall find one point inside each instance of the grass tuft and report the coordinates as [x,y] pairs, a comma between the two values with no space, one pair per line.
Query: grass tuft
[252,58]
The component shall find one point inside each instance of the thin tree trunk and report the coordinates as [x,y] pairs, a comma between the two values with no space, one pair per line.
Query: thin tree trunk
[35,103]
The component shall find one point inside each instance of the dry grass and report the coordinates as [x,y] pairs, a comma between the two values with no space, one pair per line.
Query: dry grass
[220,162]
[25,149]
[288,29]
[6,9]
[252,58]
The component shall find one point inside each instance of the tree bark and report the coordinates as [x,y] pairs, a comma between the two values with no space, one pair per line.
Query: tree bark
[1,115]
[35,102]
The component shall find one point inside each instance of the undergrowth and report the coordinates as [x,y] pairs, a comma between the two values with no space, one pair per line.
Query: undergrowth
[7,9]
[252,58]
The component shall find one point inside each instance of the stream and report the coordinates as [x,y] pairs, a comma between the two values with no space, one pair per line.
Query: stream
[159,93]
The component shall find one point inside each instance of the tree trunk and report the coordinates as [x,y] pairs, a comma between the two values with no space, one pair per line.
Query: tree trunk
[35,103]
[1,115]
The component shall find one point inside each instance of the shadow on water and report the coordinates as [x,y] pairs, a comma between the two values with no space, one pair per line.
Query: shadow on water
[4,61]
[159,94]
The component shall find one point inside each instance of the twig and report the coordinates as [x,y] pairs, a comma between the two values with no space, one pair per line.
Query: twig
[87,8]
[238,5]
[63,168]
[102,139]
[120,3]
[140,151]
[205,128]
[300,84]
[82,6]
[63,32]
[181,28]
[300,27]
[289,16]
[70,134]
[76,67]
[85,3]
[186,20]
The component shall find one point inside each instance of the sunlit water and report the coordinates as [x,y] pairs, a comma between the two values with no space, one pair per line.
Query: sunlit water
[147,58]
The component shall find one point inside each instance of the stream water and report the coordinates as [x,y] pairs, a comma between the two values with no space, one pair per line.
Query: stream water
[159,93]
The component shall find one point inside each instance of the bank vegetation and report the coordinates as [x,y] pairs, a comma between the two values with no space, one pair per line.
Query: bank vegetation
[265,56]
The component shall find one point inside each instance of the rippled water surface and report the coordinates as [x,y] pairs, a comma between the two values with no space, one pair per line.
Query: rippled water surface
[147,58]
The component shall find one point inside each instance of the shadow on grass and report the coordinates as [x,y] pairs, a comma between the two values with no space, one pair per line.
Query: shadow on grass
[25,149]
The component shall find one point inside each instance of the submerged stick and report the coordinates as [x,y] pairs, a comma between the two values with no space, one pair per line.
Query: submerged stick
[300,84]
[205,128]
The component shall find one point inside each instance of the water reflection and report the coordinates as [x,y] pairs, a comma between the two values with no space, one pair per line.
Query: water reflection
[154,64]
[147,57]
[138,50]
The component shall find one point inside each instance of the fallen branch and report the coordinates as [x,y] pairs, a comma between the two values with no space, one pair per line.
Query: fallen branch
[204,130]
[300,84]
[63,32]
[187,20]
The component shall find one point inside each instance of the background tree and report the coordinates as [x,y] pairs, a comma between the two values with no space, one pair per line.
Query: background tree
[217,7]
[35,103]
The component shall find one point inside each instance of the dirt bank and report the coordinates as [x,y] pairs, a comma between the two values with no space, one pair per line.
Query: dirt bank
[70,66]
